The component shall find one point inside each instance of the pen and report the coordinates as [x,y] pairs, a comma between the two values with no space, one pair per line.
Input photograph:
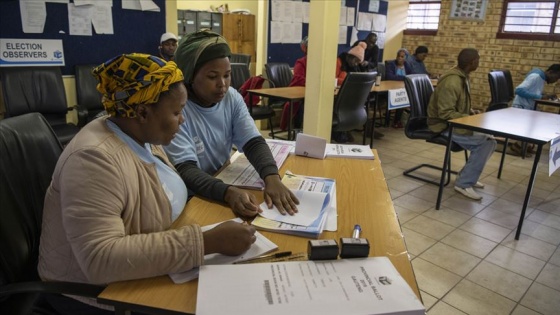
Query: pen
[277,255]
[357,230]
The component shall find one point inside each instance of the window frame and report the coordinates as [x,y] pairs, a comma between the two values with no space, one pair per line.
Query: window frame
[418,31]
[529,36]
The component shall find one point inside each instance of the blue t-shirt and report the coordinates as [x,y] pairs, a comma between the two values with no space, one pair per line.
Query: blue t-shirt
[171,182]
[529,90]
[209,133]
[417,66]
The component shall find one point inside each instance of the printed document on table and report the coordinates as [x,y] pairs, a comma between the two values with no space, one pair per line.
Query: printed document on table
[344,286]
[260,247]
[326,185]
[241,173]
[310,207]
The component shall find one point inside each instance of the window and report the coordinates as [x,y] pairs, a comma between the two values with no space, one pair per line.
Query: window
[423,17]
[535,20]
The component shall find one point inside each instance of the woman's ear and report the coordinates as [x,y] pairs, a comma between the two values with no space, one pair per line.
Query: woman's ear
[142,112]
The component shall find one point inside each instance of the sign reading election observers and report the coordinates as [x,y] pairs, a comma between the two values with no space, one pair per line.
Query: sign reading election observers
[31,52]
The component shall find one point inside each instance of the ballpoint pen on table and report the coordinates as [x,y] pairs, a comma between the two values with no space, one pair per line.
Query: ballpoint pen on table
[276,255]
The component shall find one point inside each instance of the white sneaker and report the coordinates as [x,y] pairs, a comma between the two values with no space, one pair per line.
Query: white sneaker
[478,185]
[468,192]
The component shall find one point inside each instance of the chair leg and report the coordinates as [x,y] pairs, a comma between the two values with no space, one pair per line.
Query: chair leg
[409,171]
[271,127]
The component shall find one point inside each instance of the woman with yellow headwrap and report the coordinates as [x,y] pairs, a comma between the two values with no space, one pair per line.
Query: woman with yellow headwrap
[114,193]
[217,118]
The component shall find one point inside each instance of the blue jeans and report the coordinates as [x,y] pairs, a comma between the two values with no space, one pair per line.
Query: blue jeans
[481,147]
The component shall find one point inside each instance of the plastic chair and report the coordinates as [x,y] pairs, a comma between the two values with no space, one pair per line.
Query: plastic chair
[25,174]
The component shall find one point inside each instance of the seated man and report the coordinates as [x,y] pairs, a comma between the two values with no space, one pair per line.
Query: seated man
[216,118]
[452,100]
[416,62]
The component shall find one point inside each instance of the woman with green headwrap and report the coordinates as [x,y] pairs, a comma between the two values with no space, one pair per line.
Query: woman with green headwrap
[216,119]
[114,193]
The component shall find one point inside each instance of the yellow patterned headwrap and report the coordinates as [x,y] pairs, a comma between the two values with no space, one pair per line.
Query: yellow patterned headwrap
[129,80]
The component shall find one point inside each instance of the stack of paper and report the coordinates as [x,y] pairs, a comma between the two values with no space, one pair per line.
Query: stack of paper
[260,247]
[242,174]
[316,211]
[345,286]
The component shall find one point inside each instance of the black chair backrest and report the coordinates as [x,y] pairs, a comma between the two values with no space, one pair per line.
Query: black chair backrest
[349,106]
[34,89]
[279,73]
[419,89]
[498,90]
[381,70]
[240,58]
[239,74]
[30,151]
[86,91]
[509,82]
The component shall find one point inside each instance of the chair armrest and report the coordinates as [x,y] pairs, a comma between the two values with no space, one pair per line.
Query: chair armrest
[82,115]
[58,287]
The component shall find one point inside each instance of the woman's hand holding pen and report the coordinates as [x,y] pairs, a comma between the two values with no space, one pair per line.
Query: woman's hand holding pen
[229,238]
[276,193]
[242,203]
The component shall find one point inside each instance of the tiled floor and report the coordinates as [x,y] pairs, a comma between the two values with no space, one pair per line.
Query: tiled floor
[464,255]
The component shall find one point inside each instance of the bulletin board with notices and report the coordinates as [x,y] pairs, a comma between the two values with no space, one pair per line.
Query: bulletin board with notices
[289,24]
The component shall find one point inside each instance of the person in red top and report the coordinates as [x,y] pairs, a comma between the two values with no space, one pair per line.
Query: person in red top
[297,80]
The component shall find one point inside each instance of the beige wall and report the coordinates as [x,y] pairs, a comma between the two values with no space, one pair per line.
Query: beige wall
[519,56]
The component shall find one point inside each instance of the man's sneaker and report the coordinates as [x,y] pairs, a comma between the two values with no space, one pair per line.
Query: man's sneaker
[468,192]
[478,185]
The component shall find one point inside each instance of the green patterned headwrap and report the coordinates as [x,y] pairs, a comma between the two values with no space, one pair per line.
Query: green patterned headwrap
[196,49]
[129,80]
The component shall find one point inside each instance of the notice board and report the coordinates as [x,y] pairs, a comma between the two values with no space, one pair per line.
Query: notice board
[289,53]
[134,31]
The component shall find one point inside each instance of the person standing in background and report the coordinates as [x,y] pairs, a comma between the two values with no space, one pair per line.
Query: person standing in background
[371,53]
[167,46]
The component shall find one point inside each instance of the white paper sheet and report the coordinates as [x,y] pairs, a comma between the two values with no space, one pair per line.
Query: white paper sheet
[373,6]
[342,35]
[309,208]
[350,16]
[342,17]
[102,19]
[305,10]
[79,19]
[379,22]
[345,286]
[276,32]
[261,246]
[33,15]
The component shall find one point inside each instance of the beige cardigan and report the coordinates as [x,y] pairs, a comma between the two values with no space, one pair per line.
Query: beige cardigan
[106,217]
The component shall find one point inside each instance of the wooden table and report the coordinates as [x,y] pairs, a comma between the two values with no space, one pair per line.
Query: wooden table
[290,94]
[362,198]
[514,123]
[548,102]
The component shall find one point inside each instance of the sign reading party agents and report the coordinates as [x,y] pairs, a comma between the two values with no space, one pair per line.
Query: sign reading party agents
[31,52]
[398,99]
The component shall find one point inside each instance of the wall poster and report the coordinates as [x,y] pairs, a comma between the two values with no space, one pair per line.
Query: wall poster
[472,10]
